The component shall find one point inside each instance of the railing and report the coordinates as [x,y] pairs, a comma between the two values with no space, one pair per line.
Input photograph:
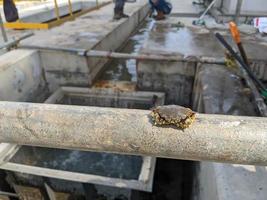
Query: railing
[58,18]
[3,31]
[219,138]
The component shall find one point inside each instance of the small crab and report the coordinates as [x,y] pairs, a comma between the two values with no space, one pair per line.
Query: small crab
[173,115]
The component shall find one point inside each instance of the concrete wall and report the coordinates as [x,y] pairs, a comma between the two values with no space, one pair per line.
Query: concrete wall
[63,68]
[174,78]
[231,182]
[21,76]
[101,97]
[205,186]
[255,7]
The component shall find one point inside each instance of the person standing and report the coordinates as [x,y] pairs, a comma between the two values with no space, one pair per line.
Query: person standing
[119,10]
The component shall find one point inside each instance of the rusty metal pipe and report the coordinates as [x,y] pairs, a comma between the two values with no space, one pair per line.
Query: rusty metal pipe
[155,57]
[230,139]
[116,55]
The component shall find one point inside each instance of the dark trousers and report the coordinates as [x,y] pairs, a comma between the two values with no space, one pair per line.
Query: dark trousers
[119,4]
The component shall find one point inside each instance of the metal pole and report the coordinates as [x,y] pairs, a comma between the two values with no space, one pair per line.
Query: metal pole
[4,35]
[151,57]
[56,10]
[230,139]
[238,10]
[207,10]
[70,7]
[16,41]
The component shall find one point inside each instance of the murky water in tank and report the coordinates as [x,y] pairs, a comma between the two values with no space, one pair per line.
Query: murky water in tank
[103,164]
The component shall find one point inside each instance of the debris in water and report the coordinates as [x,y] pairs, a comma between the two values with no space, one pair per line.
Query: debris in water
[173,115]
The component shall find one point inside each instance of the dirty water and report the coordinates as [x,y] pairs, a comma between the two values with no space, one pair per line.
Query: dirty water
[102,164]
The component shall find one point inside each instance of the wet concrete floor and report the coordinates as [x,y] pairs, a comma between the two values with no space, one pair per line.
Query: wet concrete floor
[174,38]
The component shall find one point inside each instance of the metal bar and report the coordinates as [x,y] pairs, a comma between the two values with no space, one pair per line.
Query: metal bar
[27,25]
[207,10]
[238,10]
[155,57]
[4,35]
[231,139]
[16,41]
[56,10]
[115,55]
[70,7]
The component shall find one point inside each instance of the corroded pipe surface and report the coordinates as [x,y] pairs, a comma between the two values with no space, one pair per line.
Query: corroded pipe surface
[116,55]
[210,138]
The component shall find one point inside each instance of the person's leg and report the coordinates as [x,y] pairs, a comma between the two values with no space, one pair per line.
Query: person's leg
[160,16]
[122,10]
[118,10]
[157,4]
[162,8]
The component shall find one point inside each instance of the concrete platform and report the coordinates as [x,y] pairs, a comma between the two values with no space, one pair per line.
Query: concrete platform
[95,30]
[167,38]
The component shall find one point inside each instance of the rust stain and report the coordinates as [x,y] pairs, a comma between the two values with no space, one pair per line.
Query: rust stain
[116,86]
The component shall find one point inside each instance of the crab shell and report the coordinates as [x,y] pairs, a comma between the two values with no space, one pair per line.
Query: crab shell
[173,115]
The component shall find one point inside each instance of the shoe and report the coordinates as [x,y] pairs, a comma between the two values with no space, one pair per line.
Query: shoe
[160,16]
[122,14]
[117,15]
